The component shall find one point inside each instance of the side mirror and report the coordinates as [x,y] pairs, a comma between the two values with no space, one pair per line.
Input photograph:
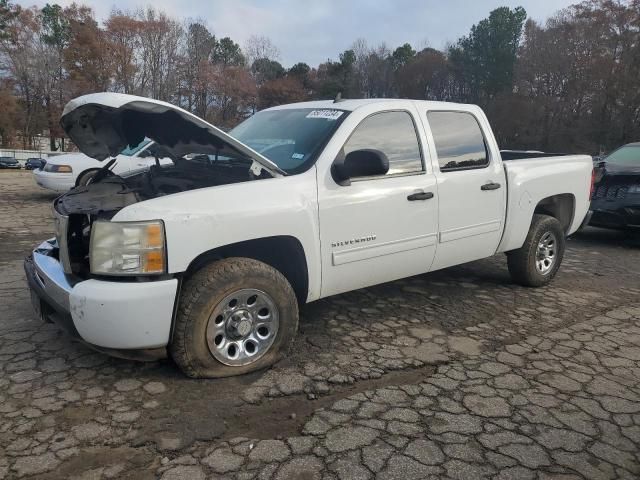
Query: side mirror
[359,163]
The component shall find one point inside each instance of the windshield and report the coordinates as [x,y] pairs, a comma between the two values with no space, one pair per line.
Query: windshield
[130,151]
[290,138]
[627,155]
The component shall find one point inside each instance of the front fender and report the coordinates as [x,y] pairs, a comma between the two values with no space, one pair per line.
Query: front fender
[201,220]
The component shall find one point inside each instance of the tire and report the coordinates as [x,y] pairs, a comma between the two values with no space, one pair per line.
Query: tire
[206,312]
[85,177]
[523,263]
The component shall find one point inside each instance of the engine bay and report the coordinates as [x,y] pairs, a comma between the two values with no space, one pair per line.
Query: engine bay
[109,193]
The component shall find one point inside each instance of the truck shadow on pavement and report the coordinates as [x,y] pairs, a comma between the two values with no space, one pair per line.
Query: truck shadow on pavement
[594,237]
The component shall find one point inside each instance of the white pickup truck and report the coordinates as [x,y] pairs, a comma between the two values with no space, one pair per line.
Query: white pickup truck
[208,258]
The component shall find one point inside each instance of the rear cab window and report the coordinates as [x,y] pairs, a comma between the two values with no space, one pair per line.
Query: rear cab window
[459,141]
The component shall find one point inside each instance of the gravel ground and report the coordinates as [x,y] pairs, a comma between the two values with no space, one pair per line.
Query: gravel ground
[457,374]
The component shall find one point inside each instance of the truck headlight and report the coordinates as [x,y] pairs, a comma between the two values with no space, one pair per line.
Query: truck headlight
[127,248]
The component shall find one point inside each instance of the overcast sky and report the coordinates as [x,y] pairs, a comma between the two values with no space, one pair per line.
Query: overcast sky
[314,30]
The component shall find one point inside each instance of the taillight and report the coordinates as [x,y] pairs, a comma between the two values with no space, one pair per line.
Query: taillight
[593,183]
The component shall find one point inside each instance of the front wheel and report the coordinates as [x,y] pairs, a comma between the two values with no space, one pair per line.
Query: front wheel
[538,260]
[235,316]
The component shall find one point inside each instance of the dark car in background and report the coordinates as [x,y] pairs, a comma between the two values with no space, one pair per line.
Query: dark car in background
[615,200]
[9,162]
[35,163]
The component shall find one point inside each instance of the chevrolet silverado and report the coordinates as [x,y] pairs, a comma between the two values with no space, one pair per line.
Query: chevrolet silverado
[208,258]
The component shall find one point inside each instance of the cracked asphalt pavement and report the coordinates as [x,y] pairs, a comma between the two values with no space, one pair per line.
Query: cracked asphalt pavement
[456,374]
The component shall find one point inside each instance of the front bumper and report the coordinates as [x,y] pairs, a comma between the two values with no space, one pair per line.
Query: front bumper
[112,316]
[58,182]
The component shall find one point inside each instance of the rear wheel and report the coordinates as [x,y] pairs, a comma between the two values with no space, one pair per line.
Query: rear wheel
[538,260]
[235,316]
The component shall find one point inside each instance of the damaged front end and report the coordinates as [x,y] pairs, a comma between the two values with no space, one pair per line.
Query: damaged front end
[74,214]
[124,304]
[76,211]
[103,124]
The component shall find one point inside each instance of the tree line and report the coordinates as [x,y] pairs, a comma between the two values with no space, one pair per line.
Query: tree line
[570,84]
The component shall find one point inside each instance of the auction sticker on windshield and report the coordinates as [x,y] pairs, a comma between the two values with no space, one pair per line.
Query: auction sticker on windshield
[326,114]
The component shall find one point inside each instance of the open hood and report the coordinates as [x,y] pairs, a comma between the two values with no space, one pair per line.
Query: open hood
[103,124]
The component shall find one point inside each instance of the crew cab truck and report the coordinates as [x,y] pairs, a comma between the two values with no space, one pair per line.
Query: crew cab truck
[208,258]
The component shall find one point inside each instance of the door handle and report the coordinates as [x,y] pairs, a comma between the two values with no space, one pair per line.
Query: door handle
[490,186]
[420,196]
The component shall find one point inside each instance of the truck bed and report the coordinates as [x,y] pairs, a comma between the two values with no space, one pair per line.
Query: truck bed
[532,180]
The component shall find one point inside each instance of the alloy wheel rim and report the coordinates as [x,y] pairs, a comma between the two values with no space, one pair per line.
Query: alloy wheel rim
[546,253]
[242,327]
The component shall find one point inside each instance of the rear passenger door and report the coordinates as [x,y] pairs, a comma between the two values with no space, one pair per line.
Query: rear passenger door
[471,188]
[379,228]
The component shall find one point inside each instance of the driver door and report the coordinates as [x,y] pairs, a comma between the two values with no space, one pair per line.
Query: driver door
[384,227]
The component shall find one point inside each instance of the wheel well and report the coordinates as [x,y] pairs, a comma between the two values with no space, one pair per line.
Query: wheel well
[284,253]
[561,207]
[85,171]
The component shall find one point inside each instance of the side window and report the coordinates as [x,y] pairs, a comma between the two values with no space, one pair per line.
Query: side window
[458,140]
[394,134]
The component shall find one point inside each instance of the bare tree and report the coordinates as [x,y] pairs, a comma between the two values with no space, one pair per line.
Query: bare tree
[159,38]
[88,68]
[573,80]
[258,47]
[424,76]
[122,32]
[18,47]
[199,46]
[361,51]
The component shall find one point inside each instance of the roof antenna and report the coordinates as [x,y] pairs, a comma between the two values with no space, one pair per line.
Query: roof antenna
[338,98]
